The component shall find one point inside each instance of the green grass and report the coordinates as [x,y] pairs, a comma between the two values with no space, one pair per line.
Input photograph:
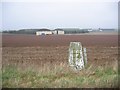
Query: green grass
[59,77]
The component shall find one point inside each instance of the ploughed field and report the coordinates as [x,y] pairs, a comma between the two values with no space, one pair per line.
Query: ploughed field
[24,49]
[47,52]
[58,40]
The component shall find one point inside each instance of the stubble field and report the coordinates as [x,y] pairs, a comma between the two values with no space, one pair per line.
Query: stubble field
[42,61]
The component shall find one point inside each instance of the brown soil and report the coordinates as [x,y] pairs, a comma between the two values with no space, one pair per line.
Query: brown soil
[28,50]
[58,40]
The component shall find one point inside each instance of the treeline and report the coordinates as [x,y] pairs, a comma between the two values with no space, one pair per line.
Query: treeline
[76,32]
[21,31]
[33,31]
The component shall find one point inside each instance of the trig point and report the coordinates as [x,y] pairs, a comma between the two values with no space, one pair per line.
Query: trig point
[77,55]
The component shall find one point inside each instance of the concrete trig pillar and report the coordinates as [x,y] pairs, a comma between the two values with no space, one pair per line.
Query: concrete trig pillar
[77,55]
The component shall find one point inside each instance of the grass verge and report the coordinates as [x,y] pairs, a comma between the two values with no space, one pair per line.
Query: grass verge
[61,76]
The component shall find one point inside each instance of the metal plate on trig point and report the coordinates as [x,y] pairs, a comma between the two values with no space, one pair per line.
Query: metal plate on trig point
[76,55]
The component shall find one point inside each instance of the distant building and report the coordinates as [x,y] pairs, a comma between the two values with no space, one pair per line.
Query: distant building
[49,32]
[100,30]
[58,32]
[43,32]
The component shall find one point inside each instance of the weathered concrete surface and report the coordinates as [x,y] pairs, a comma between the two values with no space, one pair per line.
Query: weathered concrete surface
[76,58]
[85,55]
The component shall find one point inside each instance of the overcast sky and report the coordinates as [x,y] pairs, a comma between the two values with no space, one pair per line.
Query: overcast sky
[19,15]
